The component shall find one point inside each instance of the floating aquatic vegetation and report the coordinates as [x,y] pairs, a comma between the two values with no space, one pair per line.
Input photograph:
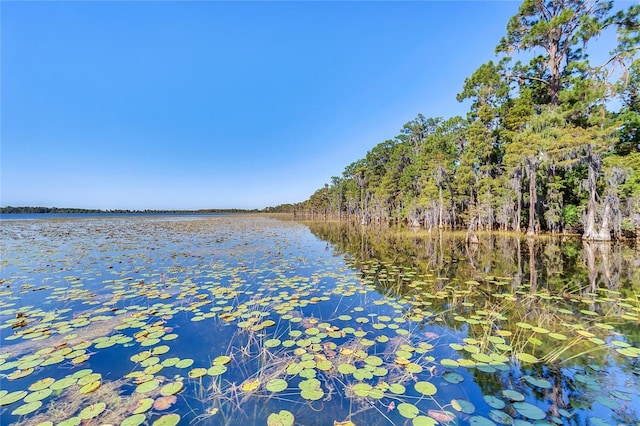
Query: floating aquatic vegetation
[236,320]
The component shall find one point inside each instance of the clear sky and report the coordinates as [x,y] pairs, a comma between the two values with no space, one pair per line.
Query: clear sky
[188,105]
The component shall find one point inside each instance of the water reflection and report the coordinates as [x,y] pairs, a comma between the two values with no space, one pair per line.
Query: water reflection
[571,305]
[566,265]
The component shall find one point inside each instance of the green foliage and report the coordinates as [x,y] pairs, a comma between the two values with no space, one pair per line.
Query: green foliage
[570,215]
[538,144]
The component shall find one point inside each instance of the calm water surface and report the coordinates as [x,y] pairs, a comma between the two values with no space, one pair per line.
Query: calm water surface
[253,320]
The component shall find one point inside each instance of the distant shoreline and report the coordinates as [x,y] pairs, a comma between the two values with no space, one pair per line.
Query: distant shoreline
[68,210]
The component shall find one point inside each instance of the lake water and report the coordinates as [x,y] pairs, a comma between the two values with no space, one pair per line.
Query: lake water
[238,319]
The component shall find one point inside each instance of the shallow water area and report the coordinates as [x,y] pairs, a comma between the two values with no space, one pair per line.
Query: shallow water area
[242,319]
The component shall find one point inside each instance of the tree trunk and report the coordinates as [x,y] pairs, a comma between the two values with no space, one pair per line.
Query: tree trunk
[533,198]
[591,231]
[533,272]
[518,189]
[471,237]
[440,208]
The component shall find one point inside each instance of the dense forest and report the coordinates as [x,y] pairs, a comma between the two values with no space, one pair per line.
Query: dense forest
[551,142]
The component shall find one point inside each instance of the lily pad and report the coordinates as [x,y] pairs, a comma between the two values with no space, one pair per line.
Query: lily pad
[134,420]
[525,357]
[442,416]
[171,388]
[184,363]
[276,385]
[42,384]
[397,389]
[283,418]
[463,406]
[500,417]
[312,394]
[529,411]
[494,402]
[90,387]
[512,395]
[147,387]
[346,368]
[38,395]
[12,397]
[164,402]
[250,385]
[92,411]
[216,370]
[27,408]
[425,388]
[142,406]
[63,383]
[538,382]
[480,421]
[452,377]
[167,420]
[197,372]
[408,410]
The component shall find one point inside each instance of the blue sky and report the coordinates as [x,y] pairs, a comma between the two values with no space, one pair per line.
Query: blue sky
[188,105]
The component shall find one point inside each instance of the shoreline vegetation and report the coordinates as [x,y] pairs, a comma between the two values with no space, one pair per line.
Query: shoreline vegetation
[550,144]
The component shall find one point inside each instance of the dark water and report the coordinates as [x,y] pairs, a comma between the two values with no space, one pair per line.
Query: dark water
[124,320]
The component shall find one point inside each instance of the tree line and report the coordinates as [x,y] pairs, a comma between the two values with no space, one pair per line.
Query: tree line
[68,210]
[551,141]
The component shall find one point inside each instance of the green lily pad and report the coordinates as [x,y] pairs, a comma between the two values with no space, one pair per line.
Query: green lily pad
[452,377]
[558,336]
[197,372]
[170,362]
[216,370]
[12,397]
[423,421]
[272,343]
[397,389]
[312,394]
[147,387]
[449,363]
[171,388]
[407,410]
[92,411]
[184,363]
[42,384]
[167,420]
[463,406]
[425,388]
[362,389]
[494,402]
[134,420]
[38,395]
[143,406]
[221,360]
[27,408]
[73,421]
[480,421]
[413,368]
[373,360]
[324,365]
[276,385]
[500,417]
[529,411]
[541,383]
[346,369]
[160,350]
[512,395]
[63,383]
[524,357]
[283,418]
